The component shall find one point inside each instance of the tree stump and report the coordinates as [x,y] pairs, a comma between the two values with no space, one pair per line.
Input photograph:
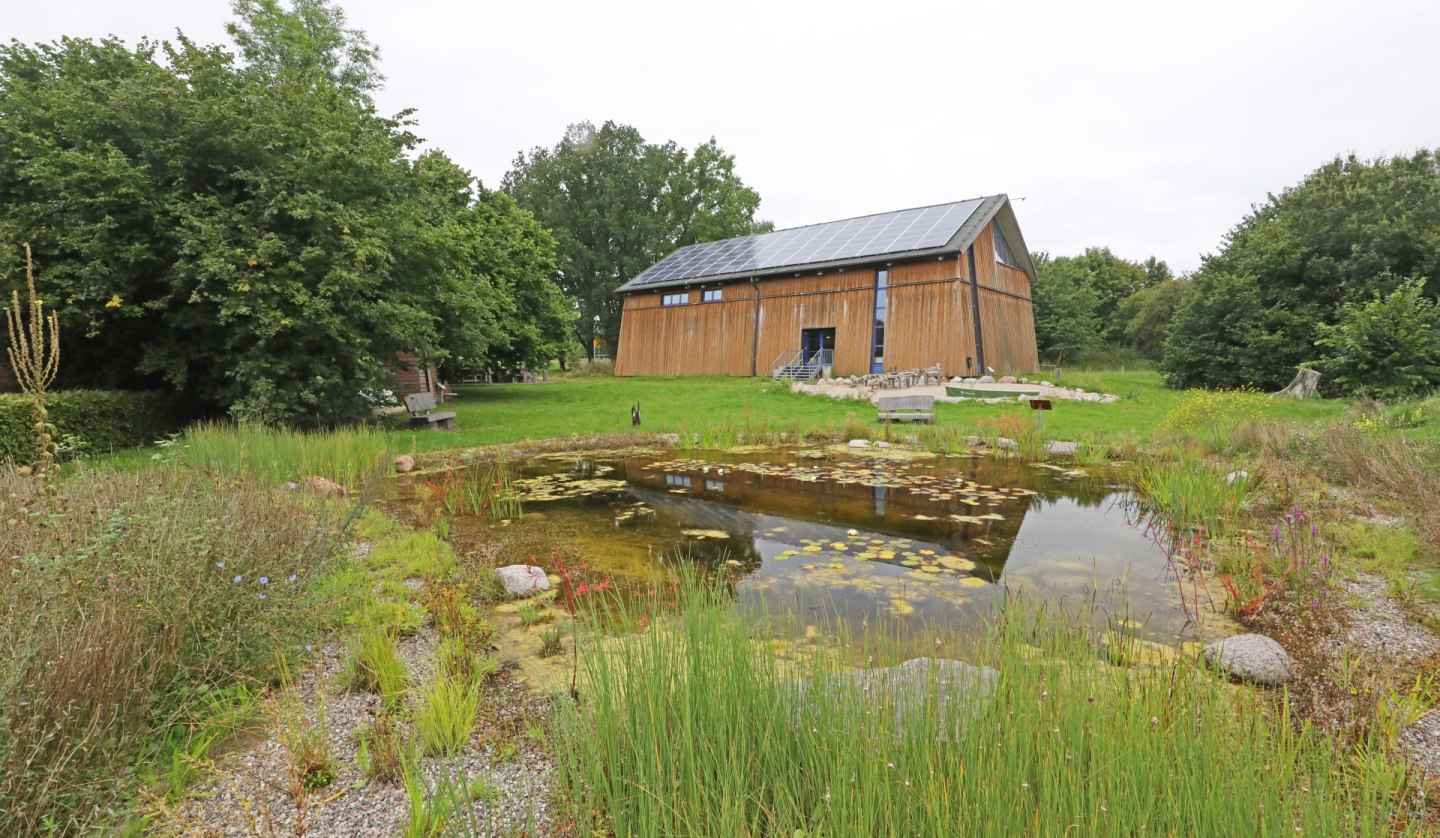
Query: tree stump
[1304,385]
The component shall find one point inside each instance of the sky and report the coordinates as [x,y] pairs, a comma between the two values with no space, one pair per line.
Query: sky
[1148,127]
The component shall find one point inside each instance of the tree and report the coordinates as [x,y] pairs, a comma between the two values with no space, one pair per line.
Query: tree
[1222,315]
[1110,280]
[270,265]
[1147,314]
[1350,230]
[1065,306]
[1386,347]
[618,204]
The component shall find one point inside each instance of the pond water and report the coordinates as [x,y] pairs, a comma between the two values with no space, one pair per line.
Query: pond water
[846,533]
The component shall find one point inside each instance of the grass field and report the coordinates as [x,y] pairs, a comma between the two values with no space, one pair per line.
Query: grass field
[600,404]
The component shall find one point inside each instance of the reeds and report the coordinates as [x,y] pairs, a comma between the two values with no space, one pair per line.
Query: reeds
[1192,495]
[696,728]
[276,455]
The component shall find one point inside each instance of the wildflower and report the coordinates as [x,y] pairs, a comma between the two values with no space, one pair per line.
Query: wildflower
[1276,532]
[1289,519]
[264,580]
[262,596]
[220,565]
[292,577]
[238,579]
[113,302]
[309,648]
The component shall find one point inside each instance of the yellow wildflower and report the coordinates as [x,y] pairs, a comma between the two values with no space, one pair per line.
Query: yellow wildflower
[114,302]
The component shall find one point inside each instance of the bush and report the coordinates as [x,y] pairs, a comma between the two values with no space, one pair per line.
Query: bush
[1385,348]
[94,420]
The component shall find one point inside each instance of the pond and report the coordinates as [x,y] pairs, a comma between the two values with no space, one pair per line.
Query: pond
[857,534]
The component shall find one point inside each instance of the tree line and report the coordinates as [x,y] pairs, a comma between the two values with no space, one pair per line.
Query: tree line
[1339,273]
[239,224]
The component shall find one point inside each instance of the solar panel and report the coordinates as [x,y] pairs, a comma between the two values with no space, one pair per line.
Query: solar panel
[871,235]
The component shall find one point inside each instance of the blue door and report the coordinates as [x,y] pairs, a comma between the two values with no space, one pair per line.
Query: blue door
[812,341]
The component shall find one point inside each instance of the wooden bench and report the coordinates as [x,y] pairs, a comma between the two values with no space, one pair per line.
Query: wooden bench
[423,412]
[907,408]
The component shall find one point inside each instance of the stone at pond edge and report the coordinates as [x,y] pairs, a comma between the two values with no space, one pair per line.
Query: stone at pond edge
[404,463]
[959,688]
[859,443]
[523,580]
[1009,379]
[1057,448]
[1252,657]
[326,487]
[1006,444]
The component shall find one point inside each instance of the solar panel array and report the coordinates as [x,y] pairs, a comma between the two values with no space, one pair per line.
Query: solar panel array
[871,235]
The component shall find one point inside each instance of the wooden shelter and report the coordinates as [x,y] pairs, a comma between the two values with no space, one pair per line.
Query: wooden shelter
[946,285]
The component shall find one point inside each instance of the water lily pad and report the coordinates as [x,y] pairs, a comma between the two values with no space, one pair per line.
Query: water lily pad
[910,562]
[956,563]
[705,533]
[931,568]
[902,606]
[973,582]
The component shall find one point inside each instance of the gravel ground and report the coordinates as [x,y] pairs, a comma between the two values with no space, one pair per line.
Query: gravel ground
[1381,627]
[1421,742]
[247,794]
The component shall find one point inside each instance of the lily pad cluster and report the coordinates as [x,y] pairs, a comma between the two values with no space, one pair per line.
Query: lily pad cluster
[926,563]
[552,487]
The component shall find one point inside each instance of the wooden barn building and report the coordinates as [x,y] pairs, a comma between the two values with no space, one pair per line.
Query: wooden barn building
[945,285]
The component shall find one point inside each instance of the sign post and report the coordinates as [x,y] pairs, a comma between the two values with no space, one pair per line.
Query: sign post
[1040,406]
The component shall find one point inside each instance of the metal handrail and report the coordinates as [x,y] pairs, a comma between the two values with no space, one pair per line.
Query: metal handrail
[822,358]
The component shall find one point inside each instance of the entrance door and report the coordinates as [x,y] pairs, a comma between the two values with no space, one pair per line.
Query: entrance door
[815,341]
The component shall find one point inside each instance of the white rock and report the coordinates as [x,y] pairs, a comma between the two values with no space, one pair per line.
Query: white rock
[1057,448]
[1024,399]
[1046,384]
[882,444]
[1007,444]
[522,580]
[987,379]
[859,443]
[1091,397]
[971,381]
[1109,399]
[1024,381]
[1252,657]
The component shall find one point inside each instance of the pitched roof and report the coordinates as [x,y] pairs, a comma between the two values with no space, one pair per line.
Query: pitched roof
[903,234]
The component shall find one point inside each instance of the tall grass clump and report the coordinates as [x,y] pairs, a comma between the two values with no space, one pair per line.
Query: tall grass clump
[277,455]
[375,665]
[446,715]
[130,599]
[695,728]
[1191,494]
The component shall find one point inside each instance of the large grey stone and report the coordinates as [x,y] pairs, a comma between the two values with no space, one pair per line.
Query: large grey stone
[859,443]
[987,379]
[956,690]
[1007,444]
[1056,448]
[1252,657]
[523,580]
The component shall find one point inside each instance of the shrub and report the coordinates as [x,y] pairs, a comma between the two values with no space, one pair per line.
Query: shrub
[103,420]
[1386,348]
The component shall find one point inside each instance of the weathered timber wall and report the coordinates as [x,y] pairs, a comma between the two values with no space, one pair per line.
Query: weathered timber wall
[930,321]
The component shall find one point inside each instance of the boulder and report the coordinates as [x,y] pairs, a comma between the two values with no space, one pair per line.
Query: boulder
[987,379]
[974,442]
[1056,448]
[404,464]
[522,580]
[1252,657]
[1009,379]
[971,381]
[955,689]
[859,443]
[325,487]
[1046,384]
[1007,444]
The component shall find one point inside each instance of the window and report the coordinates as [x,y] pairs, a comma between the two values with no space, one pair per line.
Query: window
[675,299]
[882,294]
[677,480]
[711,296]
[714,485]
[1003,254]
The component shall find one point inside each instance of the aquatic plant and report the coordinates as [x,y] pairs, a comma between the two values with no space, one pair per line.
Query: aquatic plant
[1295,555]
[1191,494]
[738,742]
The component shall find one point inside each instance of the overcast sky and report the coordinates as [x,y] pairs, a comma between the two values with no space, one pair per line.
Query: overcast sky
[1138,125]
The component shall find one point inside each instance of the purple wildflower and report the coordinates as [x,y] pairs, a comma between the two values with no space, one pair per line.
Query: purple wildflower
[1314,530]
[238,579]
[1289,519]
[262,596]
[264,580]
[292,577]
[1276,532]
[220,565]
[309,648]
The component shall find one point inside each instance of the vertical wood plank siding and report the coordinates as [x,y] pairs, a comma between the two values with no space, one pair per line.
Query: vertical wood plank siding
[929,320]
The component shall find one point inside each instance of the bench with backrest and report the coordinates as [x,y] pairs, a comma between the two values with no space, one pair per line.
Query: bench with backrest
[423,412]
[906,408]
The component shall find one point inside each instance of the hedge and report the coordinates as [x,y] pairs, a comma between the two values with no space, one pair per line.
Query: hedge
[105,420]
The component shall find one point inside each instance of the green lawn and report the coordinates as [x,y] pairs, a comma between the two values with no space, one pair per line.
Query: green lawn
[585,405]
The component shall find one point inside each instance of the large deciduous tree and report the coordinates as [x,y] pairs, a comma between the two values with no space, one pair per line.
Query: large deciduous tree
[246,229]
[1353,229]
[617,204]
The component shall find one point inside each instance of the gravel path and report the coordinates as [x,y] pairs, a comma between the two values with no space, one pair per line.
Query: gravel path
[1381,627]
[248,792]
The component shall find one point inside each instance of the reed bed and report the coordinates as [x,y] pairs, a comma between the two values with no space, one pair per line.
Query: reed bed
[276,455]
[696,728]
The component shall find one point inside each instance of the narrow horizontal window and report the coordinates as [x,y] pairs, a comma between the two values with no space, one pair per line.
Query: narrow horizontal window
[677,479]
[711,296]
[675,299]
